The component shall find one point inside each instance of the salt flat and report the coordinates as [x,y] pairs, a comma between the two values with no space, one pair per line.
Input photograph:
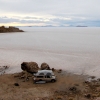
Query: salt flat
[74,49]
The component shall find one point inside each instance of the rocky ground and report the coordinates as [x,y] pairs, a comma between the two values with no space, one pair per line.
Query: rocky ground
[67,87]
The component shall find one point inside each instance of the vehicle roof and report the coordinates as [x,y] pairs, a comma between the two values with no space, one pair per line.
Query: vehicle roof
[44,71]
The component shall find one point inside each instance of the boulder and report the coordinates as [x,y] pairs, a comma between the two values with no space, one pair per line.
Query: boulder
[45,66]
[31,67]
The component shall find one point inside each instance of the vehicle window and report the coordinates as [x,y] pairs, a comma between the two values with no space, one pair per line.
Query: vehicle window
[40,76]
[48,74]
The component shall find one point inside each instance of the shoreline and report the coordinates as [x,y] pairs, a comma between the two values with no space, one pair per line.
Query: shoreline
[3,70]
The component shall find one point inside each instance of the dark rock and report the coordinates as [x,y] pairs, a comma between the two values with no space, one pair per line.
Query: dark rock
[92,77]
[45,66]
[9,29]
[60,70]
[53,69]
[73,89]
[88,96]
[16,84]
[98,79]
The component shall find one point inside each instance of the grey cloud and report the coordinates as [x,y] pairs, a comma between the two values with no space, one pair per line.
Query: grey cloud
[7,20]
[80,11]
[54,21]
[23,20]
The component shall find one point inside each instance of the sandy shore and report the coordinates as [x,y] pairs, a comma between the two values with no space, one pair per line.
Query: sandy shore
[68,87]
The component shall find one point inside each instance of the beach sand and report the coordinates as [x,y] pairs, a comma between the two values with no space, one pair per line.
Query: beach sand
[67,87]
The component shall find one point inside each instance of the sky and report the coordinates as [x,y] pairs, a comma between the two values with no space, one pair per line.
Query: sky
[50,13]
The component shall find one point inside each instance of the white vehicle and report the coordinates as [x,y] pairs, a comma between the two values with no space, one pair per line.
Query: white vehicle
[44,75]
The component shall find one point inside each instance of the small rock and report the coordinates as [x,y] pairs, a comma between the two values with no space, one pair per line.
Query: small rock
[92,77]
[16,84]
[53,69]
[60,70]
[88,96]
[73,89]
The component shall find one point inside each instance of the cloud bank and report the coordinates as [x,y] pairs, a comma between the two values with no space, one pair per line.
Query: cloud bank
[50,12]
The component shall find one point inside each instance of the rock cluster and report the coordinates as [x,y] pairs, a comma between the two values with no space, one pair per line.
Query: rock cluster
[3,69]
[9,29]
[32,67]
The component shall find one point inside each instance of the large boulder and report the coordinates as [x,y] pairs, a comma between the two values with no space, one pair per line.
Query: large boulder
[45,66]
[31,67]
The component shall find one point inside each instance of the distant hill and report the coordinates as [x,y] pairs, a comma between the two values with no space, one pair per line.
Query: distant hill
[3,29]
[81,26]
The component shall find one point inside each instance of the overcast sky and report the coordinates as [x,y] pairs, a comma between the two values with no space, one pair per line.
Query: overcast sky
[50,12]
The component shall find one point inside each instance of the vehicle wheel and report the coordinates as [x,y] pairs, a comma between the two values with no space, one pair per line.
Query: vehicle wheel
[52,80]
